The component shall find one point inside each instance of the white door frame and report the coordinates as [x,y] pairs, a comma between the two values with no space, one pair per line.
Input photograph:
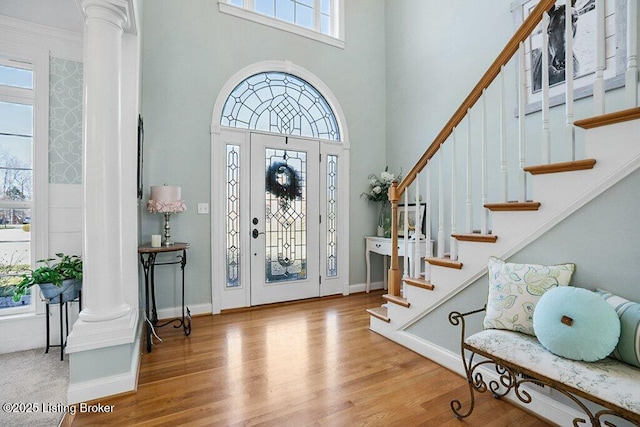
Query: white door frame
[226,298]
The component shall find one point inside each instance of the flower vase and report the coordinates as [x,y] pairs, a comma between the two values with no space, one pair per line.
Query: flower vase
[384,220]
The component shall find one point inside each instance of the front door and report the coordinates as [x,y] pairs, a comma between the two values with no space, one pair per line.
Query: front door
[284,215]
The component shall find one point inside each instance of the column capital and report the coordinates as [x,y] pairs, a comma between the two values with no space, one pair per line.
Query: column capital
[117,12]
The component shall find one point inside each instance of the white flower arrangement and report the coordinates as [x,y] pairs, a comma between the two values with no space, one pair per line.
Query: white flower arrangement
[379,191]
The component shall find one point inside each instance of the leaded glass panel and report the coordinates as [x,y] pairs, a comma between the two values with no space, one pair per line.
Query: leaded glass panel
[280,103]
[285,215]
[233,216]
[332,216]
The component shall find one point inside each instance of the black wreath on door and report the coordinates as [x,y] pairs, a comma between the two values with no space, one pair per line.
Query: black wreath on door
[284,182]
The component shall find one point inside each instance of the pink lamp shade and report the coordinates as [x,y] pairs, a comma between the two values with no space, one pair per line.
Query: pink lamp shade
[166,199]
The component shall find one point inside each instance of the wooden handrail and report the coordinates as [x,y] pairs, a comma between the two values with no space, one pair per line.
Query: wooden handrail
[489,76]
[398,189]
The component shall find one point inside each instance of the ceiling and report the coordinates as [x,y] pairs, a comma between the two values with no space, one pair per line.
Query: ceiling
[63,14]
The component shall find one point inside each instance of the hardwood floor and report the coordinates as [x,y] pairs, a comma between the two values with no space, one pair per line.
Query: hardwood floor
[307,363]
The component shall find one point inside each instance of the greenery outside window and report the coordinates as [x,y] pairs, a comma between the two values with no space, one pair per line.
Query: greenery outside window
[321,20]
[17,99]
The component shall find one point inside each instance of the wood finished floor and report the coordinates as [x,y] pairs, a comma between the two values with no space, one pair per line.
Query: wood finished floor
[308,363]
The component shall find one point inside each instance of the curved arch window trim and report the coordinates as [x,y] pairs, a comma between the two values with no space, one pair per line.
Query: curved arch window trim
[282,103]
[289,68]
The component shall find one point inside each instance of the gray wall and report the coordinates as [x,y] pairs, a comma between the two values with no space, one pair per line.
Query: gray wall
[189,53]
[436,53]
[406,67]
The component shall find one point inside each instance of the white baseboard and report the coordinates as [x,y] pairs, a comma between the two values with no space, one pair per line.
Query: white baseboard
[541,404]
[361,287]
[195,309]
[102,387]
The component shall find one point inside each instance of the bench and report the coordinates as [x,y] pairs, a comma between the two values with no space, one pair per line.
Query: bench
[519,359]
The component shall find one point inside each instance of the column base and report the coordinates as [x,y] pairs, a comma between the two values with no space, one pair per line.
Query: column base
[107,333]
[92,315]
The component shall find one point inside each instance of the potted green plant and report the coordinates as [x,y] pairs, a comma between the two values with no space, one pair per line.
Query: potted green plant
[62,278]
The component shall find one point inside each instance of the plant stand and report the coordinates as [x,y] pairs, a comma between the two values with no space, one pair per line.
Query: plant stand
[63,338]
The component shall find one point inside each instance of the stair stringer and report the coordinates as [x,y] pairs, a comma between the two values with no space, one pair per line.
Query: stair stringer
[617,151]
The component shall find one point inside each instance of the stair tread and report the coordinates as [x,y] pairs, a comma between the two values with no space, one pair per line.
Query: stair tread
[609,118]
[444,262]
[575,165]
[418,283]
[513,206]
[476,237]
[396,300]
[380,313]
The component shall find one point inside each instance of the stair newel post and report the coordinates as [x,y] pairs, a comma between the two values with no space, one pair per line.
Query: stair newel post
[631,75]
[453,242]
[394,272]
[568,78]
[598,83]
[522,96]
[546,135]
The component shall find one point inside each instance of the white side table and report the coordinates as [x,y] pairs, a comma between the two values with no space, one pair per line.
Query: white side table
[382,246]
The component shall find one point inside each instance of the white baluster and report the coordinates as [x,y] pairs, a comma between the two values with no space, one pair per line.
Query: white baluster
[429,246]
[417,234]
[568,77]
[485,173]
[522,175]
[546,136]
[631,76]
[469,176]
[441,203]
[406,234]
[598,84]
[503,139]
[453,242]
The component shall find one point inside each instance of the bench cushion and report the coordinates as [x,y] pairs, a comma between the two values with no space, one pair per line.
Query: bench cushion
[608,379]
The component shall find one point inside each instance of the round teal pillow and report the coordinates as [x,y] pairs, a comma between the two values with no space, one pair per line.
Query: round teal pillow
[576,323]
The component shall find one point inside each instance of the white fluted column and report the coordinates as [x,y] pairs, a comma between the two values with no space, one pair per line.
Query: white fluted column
[102,282]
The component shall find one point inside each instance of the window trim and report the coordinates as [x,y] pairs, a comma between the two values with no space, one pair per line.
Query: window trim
[39,98]
[338,23]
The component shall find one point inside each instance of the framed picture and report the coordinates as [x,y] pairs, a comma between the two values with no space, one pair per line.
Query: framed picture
[584,49]
[415,214]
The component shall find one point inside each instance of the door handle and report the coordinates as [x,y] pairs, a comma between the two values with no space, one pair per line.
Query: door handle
[255,233]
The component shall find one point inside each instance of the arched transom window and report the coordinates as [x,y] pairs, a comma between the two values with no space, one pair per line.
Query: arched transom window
[280,103]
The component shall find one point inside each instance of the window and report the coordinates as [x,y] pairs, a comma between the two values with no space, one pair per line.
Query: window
[321,20]
[280,103]
[17,100]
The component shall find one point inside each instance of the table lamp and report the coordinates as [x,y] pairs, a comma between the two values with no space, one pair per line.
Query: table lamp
[166,199]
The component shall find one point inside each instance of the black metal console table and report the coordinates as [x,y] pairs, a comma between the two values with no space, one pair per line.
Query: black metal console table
[148,259]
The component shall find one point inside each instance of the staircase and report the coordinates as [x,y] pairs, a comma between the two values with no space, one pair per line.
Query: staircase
[611,147]
[562,189]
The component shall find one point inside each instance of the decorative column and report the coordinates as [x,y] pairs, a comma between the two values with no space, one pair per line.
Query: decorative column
[102,145]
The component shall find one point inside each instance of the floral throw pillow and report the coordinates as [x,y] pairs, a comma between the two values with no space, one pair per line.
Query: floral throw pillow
[514,291]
